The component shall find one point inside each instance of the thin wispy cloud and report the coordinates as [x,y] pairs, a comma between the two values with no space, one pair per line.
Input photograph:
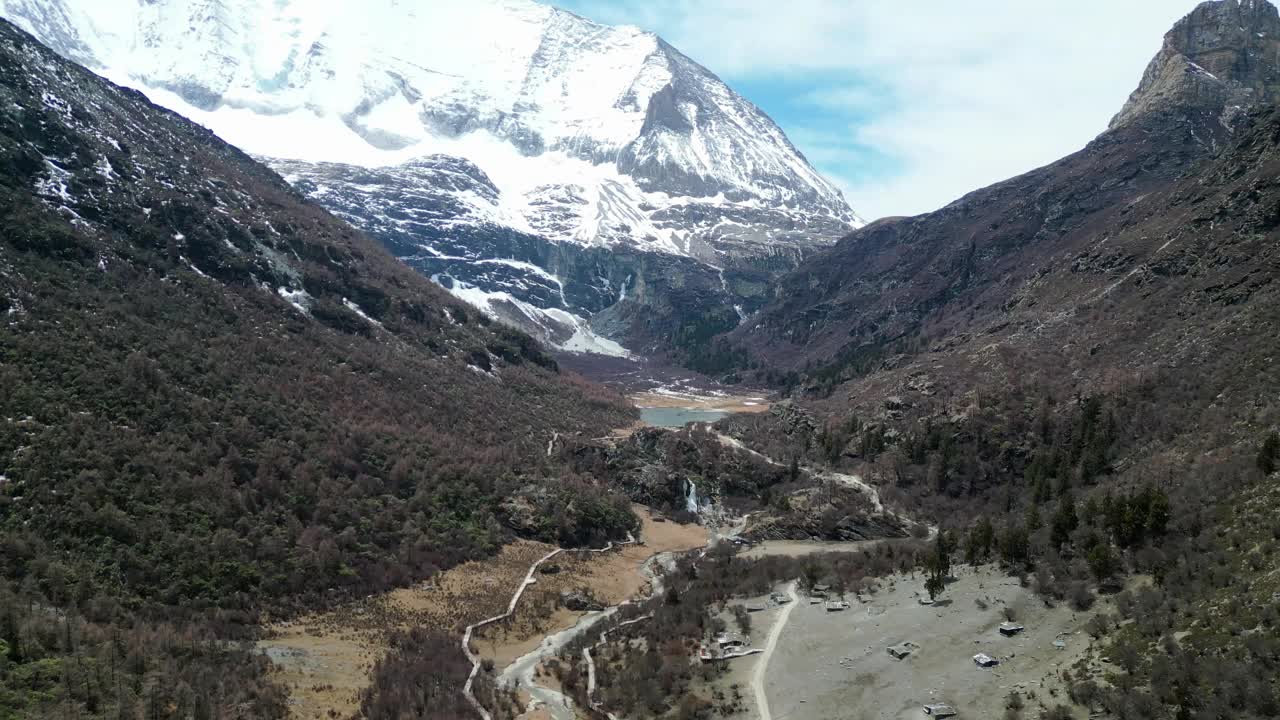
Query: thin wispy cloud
[911,105]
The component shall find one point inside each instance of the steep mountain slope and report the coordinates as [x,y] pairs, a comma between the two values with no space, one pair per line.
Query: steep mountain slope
[220,399]
[1021,263]
[1077,371]
[579,137]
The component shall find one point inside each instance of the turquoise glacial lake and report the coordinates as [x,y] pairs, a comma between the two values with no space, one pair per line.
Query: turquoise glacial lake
[668,417]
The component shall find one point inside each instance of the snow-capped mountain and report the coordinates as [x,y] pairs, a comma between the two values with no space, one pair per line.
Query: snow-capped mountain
[574,133]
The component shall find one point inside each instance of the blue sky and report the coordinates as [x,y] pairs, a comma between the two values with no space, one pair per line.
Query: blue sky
[908,106]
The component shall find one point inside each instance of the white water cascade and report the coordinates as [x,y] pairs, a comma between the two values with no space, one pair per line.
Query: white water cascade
[691,498]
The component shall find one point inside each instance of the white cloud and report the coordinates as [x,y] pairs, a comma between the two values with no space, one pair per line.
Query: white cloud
[847,98]
[958,94]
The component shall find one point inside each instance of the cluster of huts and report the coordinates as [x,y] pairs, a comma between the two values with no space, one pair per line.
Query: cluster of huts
[727,646]
[983,660]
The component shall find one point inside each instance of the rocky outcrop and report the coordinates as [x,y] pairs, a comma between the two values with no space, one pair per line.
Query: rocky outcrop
[826,511]
[794,419]
[580,601]
[849,528]
[1216,63]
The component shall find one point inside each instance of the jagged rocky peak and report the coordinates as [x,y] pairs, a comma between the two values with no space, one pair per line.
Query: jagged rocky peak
[1223,58]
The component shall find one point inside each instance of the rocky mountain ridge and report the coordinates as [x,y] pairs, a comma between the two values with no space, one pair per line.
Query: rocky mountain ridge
[1014,263]
[576,137]
[162,296]
[1223,57]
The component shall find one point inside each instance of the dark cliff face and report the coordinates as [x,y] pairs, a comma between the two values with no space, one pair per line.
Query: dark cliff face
[909,281]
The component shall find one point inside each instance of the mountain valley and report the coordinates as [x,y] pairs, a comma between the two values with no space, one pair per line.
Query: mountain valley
[221,401]
[317,410]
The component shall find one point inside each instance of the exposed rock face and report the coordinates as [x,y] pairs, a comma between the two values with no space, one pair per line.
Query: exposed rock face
[794,419]
[1220,60]
[812,524]
[442,215]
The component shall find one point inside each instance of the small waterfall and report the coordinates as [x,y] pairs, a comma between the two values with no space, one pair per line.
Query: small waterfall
[691,498]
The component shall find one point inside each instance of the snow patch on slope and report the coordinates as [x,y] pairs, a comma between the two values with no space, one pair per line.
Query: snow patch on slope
[557,109]
[554,326]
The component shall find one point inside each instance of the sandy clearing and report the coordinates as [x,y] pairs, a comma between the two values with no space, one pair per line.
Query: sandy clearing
[746,403]
[831,665]
[325,659]
[800,548]
[323,672]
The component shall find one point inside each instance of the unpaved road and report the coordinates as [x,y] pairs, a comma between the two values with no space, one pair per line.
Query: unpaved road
[522,672]
[762,665]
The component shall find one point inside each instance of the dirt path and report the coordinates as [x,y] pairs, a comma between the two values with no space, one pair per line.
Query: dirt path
[324,660]
[762,665]
[511,608]
[619,578]
[523,671]
[610,578]
[591,666]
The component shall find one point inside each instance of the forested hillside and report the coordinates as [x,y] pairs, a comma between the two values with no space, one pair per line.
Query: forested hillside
[1077,372]
[218,400]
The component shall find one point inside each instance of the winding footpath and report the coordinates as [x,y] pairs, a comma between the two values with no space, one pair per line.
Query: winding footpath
[591,665]
[511,608]
[522,671]
[762,665]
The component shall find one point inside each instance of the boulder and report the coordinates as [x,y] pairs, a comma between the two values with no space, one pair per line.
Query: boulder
[579,601]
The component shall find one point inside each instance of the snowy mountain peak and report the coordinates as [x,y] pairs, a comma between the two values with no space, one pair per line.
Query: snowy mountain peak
[538,97]
[582,143]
